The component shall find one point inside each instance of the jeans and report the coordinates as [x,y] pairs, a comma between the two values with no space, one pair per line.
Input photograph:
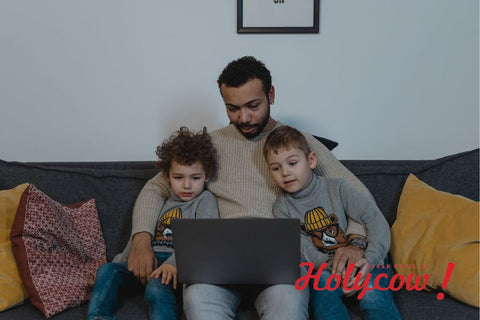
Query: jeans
[212,302]
[113,277]
[374,305]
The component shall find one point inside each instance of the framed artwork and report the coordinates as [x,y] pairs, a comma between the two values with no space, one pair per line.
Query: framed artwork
[278,16]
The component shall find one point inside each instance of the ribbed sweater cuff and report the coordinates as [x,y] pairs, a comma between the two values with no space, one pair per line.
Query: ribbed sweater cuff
[355,228]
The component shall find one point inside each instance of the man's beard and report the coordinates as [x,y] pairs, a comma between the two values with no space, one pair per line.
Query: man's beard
[260,126]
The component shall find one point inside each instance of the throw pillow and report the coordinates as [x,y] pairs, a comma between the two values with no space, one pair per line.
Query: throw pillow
[12,292]
[58,249]
[434,228]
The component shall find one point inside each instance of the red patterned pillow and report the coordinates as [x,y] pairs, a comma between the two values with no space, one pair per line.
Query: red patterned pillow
[58,249]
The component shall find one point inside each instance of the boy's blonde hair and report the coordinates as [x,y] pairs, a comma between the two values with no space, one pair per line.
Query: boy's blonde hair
[285,137]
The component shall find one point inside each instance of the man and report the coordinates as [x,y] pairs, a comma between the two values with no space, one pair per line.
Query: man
[243,188]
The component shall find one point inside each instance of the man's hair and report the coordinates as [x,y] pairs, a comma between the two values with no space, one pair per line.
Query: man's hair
[285,137]
[239,71]
[187,147]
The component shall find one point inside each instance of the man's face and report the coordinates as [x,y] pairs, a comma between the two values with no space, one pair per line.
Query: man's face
[248,107]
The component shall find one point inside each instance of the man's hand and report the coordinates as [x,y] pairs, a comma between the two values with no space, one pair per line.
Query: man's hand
[141,260]
[167,272]
[361,266]
[343,256]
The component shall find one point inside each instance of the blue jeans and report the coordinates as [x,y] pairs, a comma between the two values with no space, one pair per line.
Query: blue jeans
[212,302]
[374,305]
[113,277]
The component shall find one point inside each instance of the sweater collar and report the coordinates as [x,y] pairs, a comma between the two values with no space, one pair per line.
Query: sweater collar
[173,196]
[307,191]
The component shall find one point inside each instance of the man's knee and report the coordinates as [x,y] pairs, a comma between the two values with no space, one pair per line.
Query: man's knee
[204,299]
[283,302]
[193,294]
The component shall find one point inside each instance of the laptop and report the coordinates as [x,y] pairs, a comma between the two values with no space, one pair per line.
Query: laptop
[237,251]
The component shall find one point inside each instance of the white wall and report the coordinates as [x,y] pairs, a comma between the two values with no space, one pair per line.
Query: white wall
[109,80]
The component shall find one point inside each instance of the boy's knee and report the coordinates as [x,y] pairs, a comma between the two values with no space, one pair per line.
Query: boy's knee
[107,269]
[155,289]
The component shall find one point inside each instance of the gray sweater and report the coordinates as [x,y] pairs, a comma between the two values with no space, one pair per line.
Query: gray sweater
[325,205]
[204,206]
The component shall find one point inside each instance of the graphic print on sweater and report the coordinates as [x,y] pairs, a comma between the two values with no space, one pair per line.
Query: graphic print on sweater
[324,230]
[163,233]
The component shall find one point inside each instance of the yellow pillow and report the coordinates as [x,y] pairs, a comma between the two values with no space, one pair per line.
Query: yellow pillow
[12,291]
[432,229]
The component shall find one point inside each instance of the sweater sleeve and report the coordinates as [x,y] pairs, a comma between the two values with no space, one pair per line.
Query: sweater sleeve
[148,205]
[308,251]
[358,206]
[329,167]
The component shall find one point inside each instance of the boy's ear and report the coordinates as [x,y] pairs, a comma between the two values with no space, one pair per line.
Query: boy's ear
[312,160]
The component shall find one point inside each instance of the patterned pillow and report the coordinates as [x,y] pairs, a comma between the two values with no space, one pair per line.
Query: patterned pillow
[58,249]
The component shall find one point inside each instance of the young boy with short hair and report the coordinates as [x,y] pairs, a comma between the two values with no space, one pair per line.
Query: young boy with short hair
[187,160]
[323,205]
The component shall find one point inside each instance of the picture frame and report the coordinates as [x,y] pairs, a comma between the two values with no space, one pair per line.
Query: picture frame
[278,16]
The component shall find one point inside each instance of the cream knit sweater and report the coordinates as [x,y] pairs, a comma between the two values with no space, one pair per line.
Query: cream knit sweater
[242,185]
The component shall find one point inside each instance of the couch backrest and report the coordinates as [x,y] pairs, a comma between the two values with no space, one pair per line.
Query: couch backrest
[458,174]
[115,185]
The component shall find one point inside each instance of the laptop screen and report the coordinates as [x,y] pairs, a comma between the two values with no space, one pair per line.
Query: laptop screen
[237,251]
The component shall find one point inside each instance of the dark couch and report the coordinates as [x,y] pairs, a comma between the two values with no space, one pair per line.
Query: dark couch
[115,186]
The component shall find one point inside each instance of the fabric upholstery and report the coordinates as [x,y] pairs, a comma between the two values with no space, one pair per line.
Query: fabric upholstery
[432,229]
[58,249]
[12,291]
[457,174]
[115,186]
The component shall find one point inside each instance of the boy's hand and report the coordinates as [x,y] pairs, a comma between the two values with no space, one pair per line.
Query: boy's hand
[141,260]
[167,272]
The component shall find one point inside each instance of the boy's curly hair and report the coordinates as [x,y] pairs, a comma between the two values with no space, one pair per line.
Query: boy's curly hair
[187,147]
[239,71]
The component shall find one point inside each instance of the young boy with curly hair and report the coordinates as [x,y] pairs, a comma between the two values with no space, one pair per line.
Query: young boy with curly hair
[323,205]
[187,160]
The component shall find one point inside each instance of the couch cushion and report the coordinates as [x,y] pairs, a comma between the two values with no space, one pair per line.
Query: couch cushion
[12,291]
[114,186]
[433,229]
[58,250]
[132,306]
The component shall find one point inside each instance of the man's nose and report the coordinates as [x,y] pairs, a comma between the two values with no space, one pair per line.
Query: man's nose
[244,115]
[187,183]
